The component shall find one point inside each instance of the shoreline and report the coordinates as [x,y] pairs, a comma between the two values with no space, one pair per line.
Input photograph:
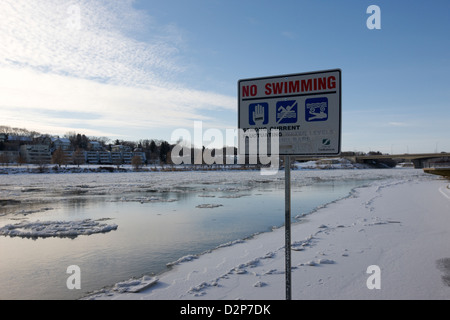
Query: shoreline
[12,169]
[380,224]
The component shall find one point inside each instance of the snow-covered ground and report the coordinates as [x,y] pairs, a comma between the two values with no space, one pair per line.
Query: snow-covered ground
[392,234]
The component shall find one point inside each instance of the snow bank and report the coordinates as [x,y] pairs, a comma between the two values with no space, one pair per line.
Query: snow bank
[330,163]
[135,285]
[131,286]
[401,225]
[62,229]
[189,257]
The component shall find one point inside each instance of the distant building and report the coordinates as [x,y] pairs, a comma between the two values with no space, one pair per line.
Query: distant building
[68,156]
[116,158]
[92,157]
[62,143]
[95,146]
[8,156]
[45,139]
[21,139]
[127,156]
[37,153]
[104,157]
[120,148]
[139,154]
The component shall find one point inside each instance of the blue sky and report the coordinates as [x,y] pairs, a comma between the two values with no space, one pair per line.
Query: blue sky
[141,69]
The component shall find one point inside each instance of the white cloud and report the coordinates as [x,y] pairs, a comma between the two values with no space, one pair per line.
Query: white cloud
[103,105]
[38,34]
[63,63]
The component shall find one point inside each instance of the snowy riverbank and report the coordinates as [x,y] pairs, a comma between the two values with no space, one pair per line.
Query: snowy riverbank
[329,163]
[401,225]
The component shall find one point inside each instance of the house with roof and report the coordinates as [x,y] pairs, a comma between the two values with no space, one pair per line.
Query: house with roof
[95,146]
[62,143]
[120,148]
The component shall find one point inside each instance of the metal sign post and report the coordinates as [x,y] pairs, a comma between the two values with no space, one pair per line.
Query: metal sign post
[287,205]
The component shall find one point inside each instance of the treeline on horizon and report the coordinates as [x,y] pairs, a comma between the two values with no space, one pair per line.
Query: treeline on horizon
[154,149]
[81,141]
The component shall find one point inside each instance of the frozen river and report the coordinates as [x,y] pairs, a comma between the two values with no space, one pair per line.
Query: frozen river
[160,217]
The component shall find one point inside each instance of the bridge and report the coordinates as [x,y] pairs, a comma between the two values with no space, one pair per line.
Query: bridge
[420,160]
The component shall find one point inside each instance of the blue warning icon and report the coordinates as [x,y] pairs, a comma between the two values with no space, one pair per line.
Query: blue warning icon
[258,113]
[287,111]
[316,109]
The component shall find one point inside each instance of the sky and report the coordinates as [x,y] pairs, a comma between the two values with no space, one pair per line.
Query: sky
[133,70]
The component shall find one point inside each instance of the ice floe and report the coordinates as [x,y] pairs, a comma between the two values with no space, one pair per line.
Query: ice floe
[209,205]
[143,199]
[27,212]
[62,229]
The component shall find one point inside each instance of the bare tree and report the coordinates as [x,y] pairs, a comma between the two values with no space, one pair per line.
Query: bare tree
[5,129]
[42,164]
[21,160]
[78,157]
[136,162]
[4,159]
[59,157]
[118,161]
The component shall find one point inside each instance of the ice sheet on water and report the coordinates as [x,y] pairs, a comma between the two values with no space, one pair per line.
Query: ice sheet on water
[63,229]
[234,196]
[53,187]
[209,205]
[143,199]
[27,212]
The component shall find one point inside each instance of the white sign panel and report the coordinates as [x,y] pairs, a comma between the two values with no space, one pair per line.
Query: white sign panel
[305,108]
